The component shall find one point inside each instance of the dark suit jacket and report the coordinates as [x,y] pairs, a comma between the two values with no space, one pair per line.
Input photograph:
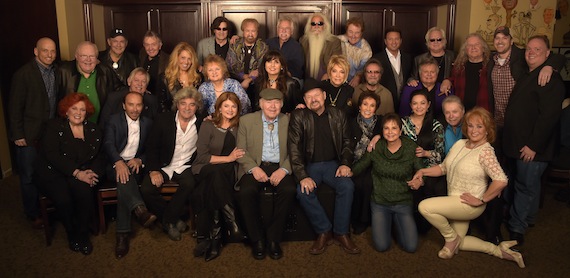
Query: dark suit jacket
[160,144]
[449,58]
[29,104]
[107,81]
[388,79]
[114,105]
[250,139]
[116,135]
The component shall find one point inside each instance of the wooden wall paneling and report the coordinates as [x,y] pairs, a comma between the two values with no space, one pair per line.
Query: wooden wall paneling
[414,22]
[373,16]
[300,15]
[237,13]
[177,23]
[135,20]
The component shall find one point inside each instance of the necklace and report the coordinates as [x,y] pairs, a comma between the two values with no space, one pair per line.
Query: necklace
[249,48]
[474,146]
[272,81]
[333,101]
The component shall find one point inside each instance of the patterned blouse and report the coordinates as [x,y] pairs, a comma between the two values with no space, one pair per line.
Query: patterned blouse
[230,85]
[409,129]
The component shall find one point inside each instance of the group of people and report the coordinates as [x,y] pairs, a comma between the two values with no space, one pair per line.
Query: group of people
[241,115]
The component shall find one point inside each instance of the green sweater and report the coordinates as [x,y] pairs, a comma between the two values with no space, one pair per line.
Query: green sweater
[391,171]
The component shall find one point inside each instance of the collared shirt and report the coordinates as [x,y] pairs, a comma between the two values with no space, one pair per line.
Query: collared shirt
[88,86]
[503,84]
[48,75]
[270,149]
[133,139]
[184,147]
[220,50]
[452,136]
[357,54]
[396,61]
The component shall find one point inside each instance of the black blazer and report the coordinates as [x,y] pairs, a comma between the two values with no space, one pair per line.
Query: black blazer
[127,63]
[114,105]
[59,153]
[29,104]
[388,79]
[160,144]
[116,135]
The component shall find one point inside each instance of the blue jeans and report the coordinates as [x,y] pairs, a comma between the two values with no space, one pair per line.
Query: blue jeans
[526,197]
[403,219]
[26,157]
[128,198]
[344,188]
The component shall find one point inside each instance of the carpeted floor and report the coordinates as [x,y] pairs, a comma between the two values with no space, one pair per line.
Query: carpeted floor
[23,253]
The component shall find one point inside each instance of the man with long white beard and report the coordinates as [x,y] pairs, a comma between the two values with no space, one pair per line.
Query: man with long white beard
[319,44]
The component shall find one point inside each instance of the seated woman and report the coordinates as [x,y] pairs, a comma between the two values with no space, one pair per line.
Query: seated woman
[215,170]
[274,74]
[428,134]
[69,165]
[468,165]
[339,92]
[181,72]
[393,162]
[363,127]
[428,71]
[218,81]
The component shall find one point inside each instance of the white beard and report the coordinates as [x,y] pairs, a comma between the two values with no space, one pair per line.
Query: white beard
[316,44]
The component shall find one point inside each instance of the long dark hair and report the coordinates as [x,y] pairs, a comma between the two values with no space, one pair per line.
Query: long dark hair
[425,137]
[263,79]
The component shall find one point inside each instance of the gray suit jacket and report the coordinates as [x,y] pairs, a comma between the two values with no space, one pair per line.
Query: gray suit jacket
[206,47]
[250,139]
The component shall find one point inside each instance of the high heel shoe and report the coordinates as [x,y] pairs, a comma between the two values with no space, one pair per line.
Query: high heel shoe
[511,255]
[447,253]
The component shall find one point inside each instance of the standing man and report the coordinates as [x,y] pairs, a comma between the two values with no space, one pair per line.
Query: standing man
[116,57]
[244,56]
[170,151]
[289,48]
[530,132]
[263,136]
[137,81]
[319,45]
[153,59]
[125,137]
[218,44]
[397,64]
[33,100]
[355,48]
[321,151]
[85,75]
[372,74]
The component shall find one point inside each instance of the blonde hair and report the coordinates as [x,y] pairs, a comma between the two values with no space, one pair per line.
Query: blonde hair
[172,71]
[338,60]
[462,57]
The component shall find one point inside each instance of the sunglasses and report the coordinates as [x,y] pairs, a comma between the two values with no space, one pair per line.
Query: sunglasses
[221,29]
[320,23]
[436,40]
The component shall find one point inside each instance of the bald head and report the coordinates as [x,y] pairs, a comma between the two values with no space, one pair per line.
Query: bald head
[45,51]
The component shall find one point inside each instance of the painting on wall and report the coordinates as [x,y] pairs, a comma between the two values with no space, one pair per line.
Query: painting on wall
[525,18]
[562,27]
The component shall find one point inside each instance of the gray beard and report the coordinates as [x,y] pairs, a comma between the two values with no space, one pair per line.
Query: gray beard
[316,44]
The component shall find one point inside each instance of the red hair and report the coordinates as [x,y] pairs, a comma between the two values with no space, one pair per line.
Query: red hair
[70,100]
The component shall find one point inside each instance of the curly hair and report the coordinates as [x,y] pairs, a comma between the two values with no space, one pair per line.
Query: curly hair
[215,59]
[462,57]
[342,62]
[70,100]
[188,92]
[173,71]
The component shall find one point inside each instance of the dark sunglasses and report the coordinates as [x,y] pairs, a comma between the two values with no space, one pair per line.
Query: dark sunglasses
[320,23]
[221,29]
[434,40]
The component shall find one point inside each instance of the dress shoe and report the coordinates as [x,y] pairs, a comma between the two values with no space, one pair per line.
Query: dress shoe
[182,226]
[86,247]
[518,237]
[213,249]
[275,251]
[450,249]
[258,250]
[346,243]
[234,232]
[320,245]
[122,245]
[202,244]
[509,254]
[74,246]
[144,217]
[172,231]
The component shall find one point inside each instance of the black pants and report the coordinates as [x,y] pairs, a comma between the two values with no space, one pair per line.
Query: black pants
[168,212]
[361,199]
[283,198]
[74,203]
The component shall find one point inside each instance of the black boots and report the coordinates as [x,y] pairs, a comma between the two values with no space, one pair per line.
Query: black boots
[213,250]
[234,231]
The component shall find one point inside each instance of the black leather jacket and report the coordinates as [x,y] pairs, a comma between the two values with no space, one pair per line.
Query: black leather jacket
[301,139]
[127,63]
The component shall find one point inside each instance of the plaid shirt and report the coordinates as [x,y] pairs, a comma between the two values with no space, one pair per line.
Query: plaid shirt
[503,84]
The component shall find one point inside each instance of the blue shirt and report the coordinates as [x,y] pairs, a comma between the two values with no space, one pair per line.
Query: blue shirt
[293,53]
[270,149]
[452,137]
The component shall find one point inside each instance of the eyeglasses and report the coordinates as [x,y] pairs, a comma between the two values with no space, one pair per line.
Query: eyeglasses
[320,23]
[373,71]
[221,29]
[436,40]
[85,57]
